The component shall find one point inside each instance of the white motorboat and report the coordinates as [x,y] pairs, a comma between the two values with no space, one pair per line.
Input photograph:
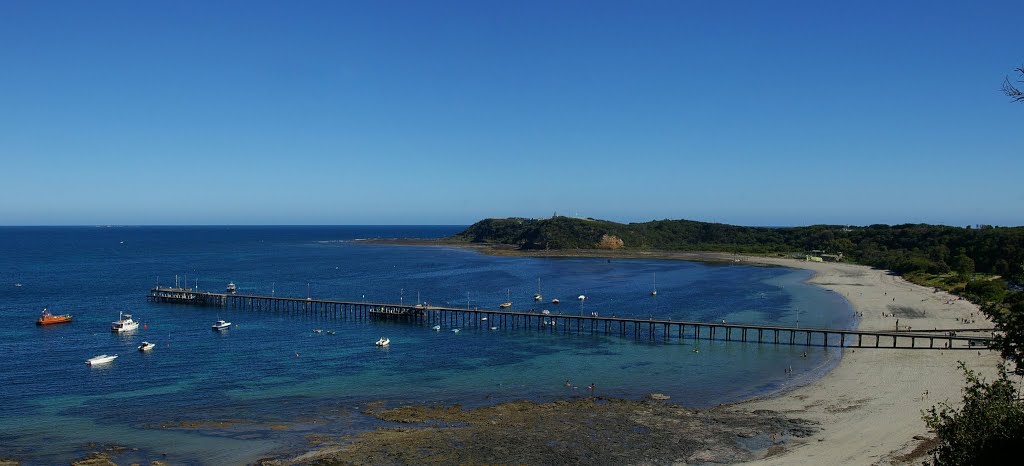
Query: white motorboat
[455,330]
[124,323]
[582,297]
[545,312]
[383,341]
[437,328]
[101,359]
[146,346]
[221,325]
[555,301]
[232,288]
[494,328]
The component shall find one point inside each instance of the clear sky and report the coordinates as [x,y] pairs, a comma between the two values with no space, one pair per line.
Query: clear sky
[431,112]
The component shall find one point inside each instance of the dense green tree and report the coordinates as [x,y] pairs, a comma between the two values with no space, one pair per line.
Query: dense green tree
[1009,317]
[988,427]
[963,265]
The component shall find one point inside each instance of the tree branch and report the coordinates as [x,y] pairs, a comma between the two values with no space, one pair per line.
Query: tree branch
[1010,90]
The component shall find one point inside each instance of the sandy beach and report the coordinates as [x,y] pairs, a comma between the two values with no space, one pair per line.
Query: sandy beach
[870,406]
[867,410]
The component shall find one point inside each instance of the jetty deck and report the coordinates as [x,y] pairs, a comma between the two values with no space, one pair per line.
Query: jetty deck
[639,328]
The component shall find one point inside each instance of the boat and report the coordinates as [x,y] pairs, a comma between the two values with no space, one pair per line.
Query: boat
[232,288]
[455,330]
[483,319]
[124,323]
[383,341]
[494,328]
[537,296]
[545,312]
[17,285]
[317,330]
[101,359]
[146,346]
[330,332]
[221,325]
[654,292]
[437,328]
[582,297]
[508,303]
[47,319]
[555,301]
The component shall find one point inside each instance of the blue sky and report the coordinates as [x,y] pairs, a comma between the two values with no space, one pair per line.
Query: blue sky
[752,113]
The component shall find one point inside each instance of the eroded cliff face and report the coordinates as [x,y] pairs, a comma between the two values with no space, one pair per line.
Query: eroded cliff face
[609,242]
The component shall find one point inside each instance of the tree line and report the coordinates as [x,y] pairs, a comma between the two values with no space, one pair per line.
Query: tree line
[907,248]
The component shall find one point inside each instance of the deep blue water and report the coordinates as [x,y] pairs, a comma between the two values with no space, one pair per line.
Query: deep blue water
[271,380]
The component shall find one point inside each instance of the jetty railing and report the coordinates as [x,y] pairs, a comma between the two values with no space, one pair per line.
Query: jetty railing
[639,328]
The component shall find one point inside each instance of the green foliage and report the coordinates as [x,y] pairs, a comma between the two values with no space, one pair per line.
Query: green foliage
[989,426]
[985,291]
[901,248]
[1009,317]
[963,265]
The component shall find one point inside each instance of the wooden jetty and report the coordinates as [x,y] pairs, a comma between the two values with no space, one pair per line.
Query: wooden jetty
[648,329]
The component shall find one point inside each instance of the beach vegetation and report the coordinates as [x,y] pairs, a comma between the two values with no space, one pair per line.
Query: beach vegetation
[1008,315]
[988,425]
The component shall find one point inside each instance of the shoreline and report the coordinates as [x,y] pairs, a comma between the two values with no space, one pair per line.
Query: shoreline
[870,405]
[871,402]
[865,410]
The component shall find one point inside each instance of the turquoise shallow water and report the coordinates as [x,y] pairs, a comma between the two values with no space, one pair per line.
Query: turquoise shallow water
[270,380]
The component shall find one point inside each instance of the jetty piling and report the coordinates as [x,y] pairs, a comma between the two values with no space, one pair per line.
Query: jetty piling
[564,324]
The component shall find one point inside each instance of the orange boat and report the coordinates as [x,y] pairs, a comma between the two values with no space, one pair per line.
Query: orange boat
[46,318]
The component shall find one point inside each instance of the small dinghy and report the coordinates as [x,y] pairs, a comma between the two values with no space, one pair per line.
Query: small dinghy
[383,341]
[437,328]
[146,346]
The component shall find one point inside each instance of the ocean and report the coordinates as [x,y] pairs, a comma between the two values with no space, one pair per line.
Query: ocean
[270,383]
